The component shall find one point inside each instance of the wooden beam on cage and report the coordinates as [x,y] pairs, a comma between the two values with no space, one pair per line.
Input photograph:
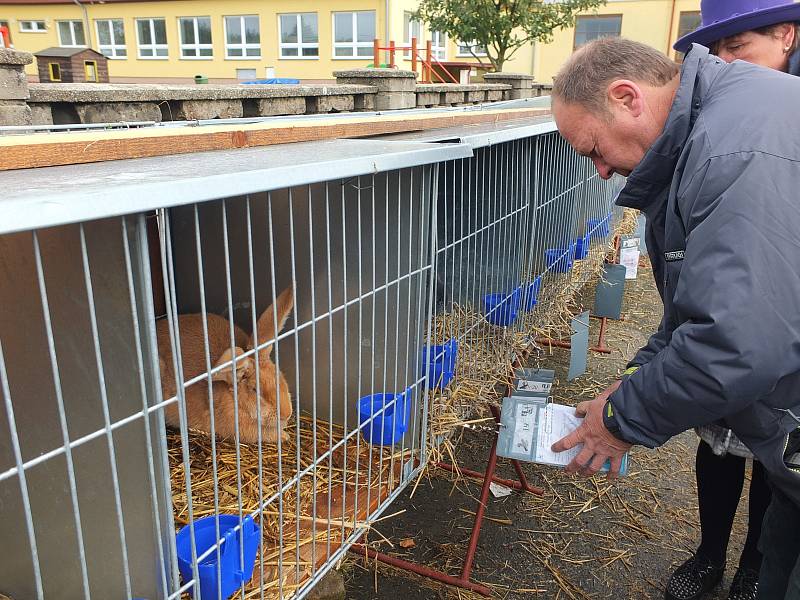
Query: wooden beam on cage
[53,149]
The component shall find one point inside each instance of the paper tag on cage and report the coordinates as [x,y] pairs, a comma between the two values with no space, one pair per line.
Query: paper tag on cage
[629,257]
[537,387]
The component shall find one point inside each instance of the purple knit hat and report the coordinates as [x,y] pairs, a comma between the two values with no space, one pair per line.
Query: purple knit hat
[724,18]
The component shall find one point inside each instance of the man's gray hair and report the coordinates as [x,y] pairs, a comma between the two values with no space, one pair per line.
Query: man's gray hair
[585,77]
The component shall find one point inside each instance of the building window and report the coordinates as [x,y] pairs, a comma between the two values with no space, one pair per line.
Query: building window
[32,26]
[151,37]
[687,23]
[195,37]
[353,34]
[111,38]
[588,28]
[70,34]
[90,70]
[299,35]
[439,45]
[55,71]
[242,37]
[472,48]
[411,29]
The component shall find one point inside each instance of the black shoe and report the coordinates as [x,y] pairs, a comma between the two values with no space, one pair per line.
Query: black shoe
[745,585]
[694,579]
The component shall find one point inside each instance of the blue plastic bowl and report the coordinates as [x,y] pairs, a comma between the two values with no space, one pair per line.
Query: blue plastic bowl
[599,228]
[231,570]
[501,309]
[531,293]
[582,247]
[559,260]
[388,427]
[439,363]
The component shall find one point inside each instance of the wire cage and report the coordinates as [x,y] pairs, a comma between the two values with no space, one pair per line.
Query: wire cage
[216,369]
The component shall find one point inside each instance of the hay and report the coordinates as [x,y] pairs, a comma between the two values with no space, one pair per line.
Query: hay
[297,532]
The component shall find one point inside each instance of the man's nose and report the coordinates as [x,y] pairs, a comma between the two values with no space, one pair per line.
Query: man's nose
[603,169]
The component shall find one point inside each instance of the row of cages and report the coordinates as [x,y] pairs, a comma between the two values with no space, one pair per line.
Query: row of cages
[218,397]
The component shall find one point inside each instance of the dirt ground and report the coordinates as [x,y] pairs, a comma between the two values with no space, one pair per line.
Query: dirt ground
[583,538]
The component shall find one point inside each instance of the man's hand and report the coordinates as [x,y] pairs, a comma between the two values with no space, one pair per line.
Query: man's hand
[598,444]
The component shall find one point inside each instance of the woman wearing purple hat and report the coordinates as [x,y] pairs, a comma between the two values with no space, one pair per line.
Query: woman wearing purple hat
[763,32]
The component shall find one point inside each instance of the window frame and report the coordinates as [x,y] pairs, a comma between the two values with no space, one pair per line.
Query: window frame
[603,16]
[197,46]
[50,69]
[115,47]
[299,45]
[678,56]
[460,53]
[93,64]
[439,52]
[37,30]
[155,47]
[71,22]
[244,46]
[354,45]
[408,30]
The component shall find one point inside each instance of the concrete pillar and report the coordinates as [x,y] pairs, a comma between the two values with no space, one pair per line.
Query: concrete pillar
[14,109]
[396,89]
[521,84]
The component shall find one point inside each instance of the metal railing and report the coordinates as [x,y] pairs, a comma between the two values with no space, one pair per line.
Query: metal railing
[131,421]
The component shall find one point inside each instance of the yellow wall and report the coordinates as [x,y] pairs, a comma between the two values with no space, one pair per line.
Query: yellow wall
[175,66]
[643,20]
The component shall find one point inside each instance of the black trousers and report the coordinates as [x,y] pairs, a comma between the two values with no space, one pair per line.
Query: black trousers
[780,542]
[720,480]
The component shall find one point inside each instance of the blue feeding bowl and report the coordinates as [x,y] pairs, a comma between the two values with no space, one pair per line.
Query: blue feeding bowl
[531,293]
[439,363]
[599,228]
[501,309]
[232,572]
[559,260]
[388,427]
[582,247]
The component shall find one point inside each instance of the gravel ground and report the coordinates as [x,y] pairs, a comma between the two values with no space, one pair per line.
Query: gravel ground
[583,538]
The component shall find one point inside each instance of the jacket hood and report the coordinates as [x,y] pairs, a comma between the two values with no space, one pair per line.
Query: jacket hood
[654,172]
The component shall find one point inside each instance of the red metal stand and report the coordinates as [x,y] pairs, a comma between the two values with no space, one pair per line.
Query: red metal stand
[488,476]
[601,339]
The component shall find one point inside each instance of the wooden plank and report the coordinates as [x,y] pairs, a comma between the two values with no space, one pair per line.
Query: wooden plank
[45,150]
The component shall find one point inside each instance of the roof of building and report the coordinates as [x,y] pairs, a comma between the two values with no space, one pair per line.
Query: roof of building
[57,52]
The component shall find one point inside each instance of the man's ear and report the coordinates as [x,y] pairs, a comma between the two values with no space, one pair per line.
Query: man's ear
[626,96]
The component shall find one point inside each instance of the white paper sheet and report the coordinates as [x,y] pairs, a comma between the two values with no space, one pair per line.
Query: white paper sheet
[558,422]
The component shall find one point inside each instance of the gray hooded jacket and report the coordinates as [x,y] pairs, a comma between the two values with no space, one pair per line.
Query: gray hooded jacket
[728,350]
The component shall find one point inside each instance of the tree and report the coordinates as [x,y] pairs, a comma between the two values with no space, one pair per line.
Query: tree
[501,26]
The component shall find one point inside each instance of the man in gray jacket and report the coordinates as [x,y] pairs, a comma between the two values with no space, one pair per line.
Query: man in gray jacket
[728,350]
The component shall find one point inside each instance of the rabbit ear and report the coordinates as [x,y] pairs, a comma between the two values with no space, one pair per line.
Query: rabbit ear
[268,326]
[244,367]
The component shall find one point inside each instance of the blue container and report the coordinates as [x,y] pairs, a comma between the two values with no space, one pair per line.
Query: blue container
[582,247]
[231,570]
[388,427]
[439,363]
[501,309]
[559,260]
[599,228]
[273,81]
[530,293]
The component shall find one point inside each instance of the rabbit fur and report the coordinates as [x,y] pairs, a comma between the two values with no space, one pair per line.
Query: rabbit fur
[273,387]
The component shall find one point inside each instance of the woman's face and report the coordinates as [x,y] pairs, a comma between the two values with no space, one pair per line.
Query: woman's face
[767,50]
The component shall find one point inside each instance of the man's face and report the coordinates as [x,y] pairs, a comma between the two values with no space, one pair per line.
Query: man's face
[614,145]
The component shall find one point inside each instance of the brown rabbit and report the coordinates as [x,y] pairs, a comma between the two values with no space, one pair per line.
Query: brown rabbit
[272,382]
